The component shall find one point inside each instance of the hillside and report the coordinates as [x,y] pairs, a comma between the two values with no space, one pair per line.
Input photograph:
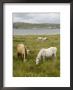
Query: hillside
[35,26]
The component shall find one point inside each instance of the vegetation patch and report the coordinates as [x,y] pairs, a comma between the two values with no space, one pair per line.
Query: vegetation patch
[29,68]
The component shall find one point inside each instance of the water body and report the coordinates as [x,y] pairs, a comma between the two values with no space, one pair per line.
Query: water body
[36,31]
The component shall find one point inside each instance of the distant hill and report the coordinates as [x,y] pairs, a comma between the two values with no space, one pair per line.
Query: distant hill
[35,26]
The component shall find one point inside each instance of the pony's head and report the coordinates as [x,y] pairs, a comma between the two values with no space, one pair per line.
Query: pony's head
[28,51]
[37,60]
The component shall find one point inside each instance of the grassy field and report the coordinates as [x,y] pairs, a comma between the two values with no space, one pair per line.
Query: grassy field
[29,68]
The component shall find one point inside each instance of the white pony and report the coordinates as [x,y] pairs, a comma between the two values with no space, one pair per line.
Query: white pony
[39,38]
[44,39]
[49,52]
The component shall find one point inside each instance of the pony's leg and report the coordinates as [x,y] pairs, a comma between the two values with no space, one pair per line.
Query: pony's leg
[54,59]
[43,58]
[18,55]
[25,55]
[24,58]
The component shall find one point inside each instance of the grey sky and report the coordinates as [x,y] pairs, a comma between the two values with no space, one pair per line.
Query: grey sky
[51,17]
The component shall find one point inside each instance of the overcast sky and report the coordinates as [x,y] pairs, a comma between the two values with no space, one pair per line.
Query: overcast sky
[37,17]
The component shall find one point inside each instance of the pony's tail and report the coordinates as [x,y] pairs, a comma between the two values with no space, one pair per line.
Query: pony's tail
[25,52]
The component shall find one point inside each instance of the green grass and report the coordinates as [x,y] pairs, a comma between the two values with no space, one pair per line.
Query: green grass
[29,68]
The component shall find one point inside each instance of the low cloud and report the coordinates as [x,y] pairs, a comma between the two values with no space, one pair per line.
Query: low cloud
[37,17]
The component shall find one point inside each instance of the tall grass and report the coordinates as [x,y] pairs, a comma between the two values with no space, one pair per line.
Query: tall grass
[29,68]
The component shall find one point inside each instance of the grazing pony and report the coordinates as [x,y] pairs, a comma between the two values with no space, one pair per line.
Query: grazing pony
[42,38]
[22,51]
[39,38]
[43,53]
